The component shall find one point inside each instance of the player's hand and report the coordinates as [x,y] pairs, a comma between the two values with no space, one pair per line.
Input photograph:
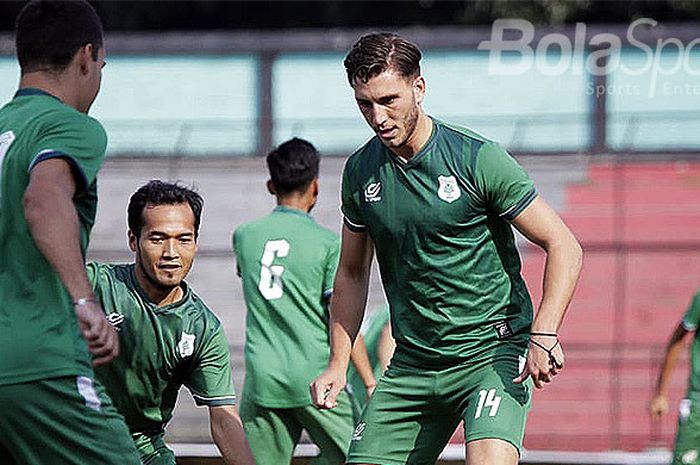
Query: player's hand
[325,388]
[658,406]
[542,366]
[101,337]
[370,390]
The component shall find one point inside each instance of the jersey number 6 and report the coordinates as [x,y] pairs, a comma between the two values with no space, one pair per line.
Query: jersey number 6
[270,285]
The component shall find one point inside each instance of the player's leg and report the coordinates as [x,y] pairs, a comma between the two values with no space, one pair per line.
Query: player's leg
[63,421]
[403,422]
[330,429]
[495,410]
[687,447]
[272,433]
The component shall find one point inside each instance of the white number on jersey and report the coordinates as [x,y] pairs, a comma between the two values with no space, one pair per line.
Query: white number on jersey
[270,285]
[488,399]
[6,139]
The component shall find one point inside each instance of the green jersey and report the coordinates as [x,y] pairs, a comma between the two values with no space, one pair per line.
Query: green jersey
[446,251]
[287,263]
[690,322]
[161,349]
[39,334]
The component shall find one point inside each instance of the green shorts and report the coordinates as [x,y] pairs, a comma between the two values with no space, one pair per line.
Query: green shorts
[687,448]
[413,413]
[274,432]
[153,450]
[62,421]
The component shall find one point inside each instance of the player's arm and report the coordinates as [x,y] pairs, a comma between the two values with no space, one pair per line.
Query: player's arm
[229,436]
[54,226]
[347,309]
[386,347]
[542,226]
[360,359]
[659,403]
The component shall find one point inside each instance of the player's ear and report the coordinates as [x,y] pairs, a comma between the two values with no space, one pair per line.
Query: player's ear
[271,187]
[419,89]
[315,187]
[133,240]
[84,57]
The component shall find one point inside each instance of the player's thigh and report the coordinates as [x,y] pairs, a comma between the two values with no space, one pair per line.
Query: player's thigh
[491,452]
[272,433]
[687,447]
[403,423]
[330,429]
[494,407]
[62,421]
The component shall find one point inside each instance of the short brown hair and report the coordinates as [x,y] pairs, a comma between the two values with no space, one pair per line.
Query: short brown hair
[375,53]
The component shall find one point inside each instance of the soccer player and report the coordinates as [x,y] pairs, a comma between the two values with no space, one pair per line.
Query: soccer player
[687,447]
[287,263]
[169,337]
[51,328]
[437,202]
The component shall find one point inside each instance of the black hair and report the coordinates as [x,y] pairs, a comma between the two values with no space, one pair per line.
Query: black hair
[293,165]
[50,32]
[156,193]
[375,53]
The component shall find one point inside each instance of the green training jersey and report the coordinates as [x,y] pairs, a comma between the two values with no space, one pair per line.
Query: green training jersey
[39,334]
[161,349]
[287,263]
[446,251]
[691,319]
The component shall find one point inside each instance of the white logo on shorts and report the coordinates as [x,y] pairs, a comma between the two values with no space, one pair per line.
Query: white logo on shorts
[186,345]
[690,457]
[449,189]
[357,435]
[116,319]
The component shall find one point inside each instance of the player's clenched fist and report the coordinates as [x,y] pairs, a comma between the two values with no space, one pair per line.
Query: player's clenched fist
[325,388]
[101,337]
[545,359]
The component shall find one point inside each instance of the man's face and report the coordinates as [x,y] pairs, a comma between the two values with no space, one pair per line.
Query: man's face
[390,104]
[167,246]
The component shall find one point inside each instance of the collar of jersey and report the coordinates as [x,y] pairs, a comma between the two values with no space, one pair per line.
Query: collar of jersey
[186,291]
[28,91]
[421,153]
[284,209]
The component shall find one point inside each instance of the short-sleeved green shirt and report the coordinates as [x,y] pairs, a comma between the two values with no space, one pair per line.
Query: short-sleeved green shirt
[446,250]
[39,334]
[287,263]
[161,349]
[691,319]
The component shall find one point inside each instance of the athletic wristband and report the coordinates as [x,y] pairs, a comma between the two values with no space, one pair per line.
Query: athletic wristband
[83,301]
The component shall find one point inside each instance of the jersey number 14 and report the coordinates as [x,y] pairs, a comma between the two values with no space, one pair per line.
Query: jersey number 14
[270,284]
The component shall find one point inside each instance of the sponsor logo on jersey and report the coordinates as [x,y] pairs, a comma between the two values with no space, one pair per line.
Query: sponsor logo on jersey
[372,192]
[503,329]
[448,189]
[116,319]
[357,435]
[186,345]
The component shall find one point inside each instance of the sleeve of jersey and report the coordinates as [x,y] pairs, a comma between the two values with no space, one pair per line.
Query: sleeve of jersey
[331,268]
[350,206]
[506,187]
[692,315]
[210,381]
[78,139]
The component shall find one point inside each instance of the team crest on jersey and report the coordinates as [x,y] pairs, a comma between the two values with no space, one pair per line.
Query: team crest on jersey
[186,345]
[116,319]
[372,192]
[448,189]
